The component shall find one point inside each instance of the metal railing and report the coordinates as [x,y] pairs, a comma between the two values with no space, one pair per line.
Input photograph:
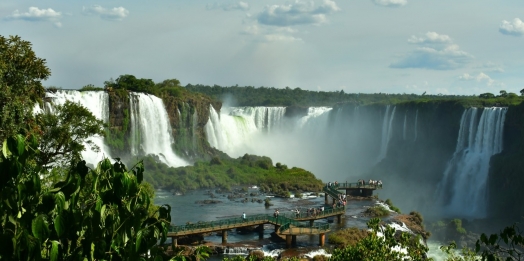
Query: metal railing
[288,220]
[358,185]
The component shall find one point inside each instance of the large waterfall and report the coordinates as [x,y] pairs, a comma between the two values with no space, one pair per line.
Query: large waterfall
[463,185]
[351,141]
[387,132]
[149,124]
[98,104]
[151,132]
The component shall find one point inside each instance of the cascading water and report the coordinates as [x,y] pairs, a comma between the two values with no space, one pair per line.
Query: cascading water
[416,125]
[149,118]
[264,118]
[463,186]
[387,132]
[405,125]
[97,103]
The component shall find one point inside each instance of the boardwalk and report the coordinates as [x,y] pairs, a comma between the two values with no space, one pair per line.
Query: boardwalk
[288,225]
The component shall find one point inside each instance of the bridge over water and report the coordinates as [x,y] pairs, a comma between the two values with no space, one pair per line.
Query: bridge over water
[288,225]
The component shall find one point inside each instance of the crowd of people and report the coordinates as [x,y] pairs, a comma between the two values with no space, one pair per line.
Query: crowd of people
[371,182]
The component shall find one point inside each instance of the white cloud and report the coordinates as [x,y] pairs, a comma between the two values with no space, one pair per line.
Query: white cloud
[228,7]
[114,14]
[430,37]
[297,13]
[35,15]
[515,28]
[436,52]
[390,3]
[251,30]
[480,77]
[490,67]
[281,38]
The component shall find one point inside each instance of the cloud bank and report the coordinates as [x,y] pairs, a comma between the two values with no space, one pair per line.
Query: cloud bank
[36,15]
[390,3]
[243,6]
[481,77]
[435,52]
[297,13]
[114,14]
[514,28]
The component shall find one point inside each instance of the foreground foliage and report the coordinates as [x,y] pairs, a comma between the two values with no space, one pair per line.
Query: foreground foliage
[100,213]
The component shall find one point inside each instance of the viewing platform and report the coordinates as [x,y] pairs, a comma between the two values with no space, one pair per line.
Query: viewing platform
[357,189]
[288,225]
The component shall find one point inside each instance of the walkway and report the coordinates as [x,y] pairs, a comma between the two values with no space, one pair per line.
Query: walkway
[289,225]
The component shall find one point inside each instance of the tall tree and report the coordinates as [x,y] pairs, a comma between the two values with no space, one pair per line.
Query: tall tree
[21,73]
[65,133]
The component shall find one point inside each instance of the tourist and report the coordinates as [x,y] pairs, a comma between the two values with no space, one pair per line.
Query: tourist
[244,216]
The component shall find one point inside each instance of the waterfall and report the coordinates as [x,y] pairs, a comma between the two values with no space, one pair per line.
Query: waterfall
[387,132]
[463,186]
[405,121]
[416,125]
[97,102]
[264,118]
[149,117]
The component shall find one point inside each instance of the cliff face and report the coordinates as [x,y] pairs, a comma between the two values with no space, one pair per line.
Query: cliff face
[119,123]
[506,176]
[423,140]
[188,116]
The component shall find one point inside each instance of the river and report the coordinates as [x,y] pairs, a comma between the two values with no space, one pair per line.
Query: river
[185,209]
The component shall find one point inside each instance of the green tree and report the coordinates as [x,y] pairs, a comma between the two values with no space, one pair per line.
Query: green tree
[487,95]
[21,73]
[93,214]
[503,93]
[64,132]
[131,83]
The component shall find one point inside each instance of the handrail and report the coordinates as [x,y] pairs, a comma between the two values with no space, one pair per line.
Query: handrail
[286,220]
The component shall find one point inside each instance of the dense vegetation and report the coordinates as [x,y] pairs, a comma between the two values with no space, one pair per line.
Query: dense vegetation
[226,172]
[53,207]
[271,96]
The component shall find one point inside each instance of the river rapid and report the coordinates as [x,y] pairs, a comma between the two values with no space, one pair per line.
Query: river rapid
[186,209]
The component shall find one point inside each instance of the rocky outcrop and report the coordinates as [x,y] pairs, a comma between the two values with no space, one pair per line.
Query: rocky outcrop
[119,123]
[188,117]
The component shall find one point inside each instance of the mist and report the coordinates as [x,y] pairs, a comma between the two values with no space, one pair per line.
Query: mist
[408,147]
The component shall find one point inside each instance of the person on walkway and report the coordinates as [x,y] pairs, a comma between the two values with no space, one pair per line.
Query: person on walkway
[244,216]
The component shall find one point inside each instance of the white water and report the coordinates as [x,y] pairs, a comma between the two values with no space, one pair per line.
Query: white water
[290,140]
[387,132]
[405,125]
[149,117]
[98,104]
[416,125]
[466,174]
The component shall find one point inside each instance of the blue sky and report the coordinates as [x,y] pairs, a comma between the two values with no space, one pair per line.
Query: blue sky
[393,46]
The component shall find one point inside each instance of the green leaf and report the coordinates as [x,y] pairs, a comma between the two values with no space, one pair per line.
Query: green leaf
[60,201]
[492,239]
[102,214]
[59,225]
[5,150]
[54,250]
[20,144]
[39,227]
[138,240]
